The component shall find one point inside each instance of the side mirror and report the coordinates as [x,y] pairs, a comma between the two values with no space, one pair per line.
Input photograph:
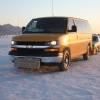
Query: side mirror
[74,29]
[23,29]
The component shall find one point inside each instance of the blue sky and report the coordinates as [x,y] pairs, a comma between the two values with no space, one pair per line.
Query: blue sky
[20,12]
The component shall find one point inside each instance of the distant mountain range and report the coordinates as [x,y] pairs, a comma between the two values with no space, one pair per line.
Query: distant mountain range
[8,29]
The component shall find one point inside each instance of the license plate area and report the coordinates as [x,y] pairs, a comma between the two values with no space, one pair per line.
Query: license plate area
[27,63]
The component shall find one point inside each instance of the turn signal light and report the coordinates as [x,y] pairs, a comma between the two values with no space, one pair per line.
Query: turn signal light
[51,50]
[14,49]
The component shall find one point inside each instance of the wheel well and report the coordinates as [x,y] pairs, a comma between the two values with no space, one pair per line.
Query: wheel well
[89,44]
[90,48]
[67,48]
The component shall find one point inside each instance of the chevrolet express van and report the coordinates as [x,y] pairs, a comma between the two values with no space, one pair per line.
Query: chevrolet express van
[51,40]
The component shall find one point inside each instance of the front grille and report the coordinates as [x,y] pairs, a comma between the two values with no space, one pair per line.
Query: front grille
[30,51]
[31,43]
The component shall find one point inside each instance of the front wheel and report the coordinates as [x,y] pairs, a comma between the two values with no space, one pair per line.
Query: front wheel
[64,65]
[86,56]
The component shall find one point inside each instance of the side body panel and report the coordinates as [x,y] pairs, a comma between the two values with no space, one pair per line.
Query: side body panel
[73,44]
[80,40]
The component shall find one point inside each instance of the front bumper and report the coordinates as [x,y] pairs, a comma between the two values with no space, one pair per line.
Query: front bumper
[44,57]
[57,59]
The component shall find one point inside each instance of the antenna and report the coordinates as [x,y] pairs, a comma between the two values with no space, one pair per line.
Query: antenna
[18,24]
[52,8]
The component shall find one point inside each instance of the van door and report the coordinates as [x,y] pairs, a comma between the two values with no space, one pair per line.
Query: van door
[73,39]
[84,36]
[80,37]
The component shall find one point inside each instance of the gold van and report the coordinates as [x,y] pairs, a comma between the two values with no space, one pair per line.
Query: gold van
[51,40]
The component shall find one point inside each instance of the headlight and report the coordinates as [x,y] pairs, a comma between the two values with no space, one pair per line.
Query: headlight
[51,43]
[13,42]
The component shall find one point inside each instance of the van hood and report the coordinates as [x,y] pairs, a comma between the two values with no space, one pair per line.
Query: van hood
[37,37]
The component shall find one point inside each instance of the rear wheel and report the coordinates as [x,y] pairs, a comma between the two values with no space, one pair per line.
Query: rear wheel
[64,65]
[86,56]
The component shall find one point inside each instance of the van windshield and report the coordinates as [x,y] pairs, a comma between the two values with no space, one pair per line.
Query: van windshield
[46,25]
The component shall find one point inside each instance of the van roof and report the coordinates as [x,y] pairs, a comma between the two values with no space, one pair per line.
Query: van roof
[77,18]
[62,17]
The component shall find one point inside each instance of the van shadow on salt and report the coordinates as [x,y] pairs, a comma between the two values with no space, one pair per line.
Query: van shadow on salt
[79,58]
[42,69]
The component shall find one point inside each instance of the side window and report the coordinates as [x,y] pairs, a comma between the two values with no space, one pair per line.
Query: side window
[99,38]
[82,26]
[88,28]
[77,23]
[70,24]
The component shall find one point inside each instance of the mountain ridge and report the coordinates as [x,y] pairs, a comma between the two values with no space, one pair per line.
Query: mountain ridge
[8,29]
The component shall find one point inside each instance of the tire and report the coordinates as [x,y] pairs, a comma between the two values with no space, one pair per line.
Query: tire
[86,56]
[65,63]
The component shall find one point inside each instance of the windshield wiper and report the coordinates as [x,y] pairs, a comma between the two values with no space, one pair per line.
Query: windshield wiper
[28,32]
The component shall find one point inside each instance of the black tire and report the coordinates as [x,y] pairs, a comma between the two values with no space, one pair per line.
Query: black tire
[87,55]
[64,65]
